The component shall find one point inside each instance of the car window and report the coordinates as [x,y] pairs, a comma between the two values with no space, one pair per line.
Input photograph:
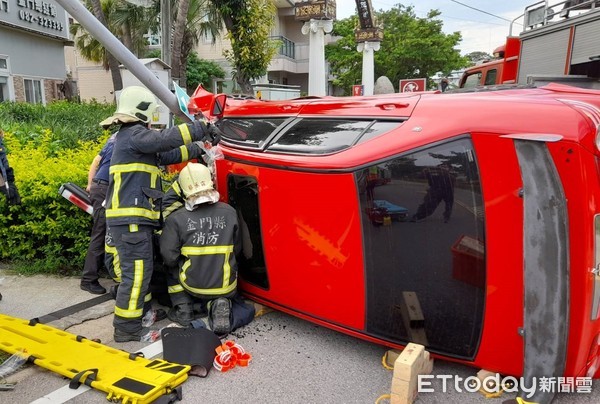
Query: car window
[472,80]
[490,78]
[322,136]
[424,242]
[251,132]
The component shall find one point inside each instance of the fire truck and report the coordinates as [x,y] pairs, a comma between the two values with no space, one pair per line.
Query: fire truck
[559,43]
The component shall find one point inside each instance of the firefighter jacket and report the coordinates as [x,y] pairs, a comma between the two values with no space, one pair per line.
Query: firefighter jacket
[202,244]
[134,191]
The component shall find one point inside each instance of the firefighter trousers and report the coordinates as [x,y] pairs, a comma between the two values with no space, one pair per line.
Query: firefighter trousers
[135,249]
[94,259]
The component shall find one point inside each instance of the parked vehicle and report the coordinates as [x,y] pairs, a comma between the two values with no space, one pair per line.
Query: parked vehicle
[515,267]
[558,44]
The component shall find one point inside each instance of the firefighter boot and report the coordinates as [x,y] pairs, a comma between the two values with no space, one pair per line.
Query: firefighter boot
[143,335]
[219,317]
[182,314]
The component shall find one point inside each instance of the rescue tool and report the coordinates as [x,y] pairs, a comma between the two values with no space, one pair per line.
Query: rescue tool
[124,376]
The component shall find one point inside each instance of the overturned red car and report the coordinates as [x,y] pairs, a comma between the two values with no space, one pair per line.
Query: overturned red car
[467,222]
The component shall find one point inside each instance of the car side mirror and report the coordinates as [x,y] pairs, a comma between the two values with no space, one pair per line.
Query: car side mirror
[217,107]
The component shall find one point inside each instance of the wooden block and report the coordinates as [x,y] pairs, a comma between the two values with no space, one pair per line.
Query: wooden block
[391,356]
[413,360]
[414,313]
[405,392]
[413,318]
[260,310]
[396,399]
[491,382]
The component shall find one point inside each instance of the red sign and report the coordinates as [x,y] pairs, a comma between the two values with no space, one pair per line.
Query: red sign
[357,89]
[412,85]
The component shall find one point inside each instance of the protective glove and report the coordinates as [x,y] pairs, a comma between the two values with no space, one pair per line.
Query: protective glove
[13,195]
[214,134]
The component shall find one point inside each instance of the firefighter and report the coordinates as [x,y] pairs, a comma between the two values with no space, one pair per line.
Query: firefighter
[133,199]
[96,188]
[199,244]
[7,176]
[441,188]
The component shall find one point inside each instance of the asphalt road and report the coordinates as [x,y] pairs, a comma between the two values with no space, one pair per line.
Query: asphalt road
[294,361]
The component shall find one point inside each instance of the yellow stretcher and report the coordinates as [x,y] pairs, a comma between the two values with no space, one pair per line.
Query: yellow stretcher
[125,376]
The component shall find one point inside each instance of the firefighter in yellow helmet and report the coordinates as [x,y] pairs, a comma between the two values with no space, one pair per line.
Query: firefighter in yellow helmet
[133,199]
[199,244]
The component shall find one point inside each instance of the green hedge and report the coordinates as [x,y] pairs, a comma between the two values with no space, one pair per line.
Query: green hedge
[48,146]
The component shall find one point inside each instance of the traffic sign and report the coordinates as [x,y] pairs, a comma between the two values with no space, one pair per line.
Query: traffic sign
[412,85]
[183,100]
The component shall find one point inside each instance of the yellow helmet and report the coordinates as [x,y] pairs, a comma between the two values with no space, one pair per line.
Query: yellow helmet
[135,104]
[195,178]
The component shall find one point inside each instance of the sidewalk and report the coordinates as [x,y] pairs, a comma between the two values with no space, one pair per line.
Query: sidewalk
[294,361]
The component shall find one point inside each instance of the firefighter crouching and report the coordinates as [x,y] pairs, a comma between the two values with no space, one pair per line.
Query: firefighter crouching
[199,244]
[133,200]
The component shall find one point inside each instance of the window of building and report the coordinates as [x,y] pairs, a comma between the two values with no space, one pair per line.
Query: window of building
[33,91]
[207,36]
[4,80]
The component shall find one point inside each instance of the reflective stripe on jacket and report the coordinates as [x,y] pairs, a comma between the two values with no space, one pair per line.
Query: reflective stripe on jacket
[134,190]
[203,245]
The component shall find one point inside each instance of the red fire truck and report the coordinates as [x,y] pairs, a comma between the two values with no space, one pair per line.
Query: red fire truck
[559,43]
[499,268]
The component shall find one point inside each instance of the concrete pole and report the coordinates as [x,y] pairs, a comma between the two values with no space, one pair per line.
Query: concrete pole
[119,51]
[368,50]
[317,80]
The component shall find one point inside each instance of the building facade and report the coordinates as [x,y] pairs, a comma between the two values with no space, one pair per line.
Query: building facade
[33,34]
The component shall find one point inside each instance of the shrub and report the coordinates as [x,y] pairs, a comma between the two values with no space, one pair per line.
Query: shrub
[48,146]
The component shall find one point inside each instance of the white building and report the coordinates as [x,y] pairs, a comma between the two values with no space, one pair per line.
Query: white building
[33,34]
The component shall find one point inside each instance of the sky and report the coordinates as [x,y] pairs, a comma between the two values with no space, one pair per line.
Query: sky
[480,31]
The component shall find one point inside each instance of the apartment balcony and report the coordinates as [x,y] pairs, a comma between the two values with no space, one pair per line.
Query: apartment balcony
[291,57]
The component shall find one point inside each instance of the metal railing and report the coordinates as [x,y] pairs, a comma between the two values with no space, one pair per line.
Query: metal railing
[545,12]
[286,48]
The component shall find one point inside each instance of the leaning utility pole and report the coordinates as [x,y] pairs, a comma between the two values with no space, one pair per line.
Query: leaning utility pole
[120,51]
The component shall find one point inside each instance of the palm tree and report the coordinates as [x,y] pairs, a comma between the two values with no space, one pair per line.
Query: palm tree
[202,19]
[113,63]
[127,22]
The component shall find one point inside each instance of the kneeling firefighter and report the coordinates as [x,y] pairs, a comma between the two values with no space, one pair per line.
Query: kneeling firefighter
[133,199]
[199,244]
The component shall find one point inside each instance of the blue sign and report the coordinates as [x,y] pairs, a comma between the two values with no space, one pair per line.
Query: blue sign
[183,100]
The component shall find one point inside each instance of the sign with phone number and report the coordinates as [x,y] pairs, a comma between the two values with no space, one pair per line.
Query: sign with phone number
[43,16]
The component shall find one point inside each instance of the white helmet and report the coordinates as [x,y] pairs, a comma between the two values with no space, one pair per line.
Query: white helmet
[195,178]
[135,104]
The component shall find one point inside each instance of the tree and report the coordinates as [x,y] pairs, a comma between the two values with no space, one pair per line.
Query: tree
[179,28]
[202,72]
[113,63]
[248,24]
[203,19]
[476,57]
[411,48]
[125,21]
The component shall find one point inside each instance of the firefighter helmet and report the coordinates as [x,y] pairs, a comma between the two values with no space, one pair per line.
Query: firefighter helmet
[195,178]
[135,104]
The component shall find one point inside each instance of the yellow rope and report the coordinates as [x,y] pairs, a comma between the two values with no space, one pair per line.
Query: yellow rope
[384,361]
[383,397]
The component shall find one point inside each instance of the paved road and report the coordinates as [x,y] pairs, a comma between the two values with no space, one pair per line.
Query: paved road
[294,361]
